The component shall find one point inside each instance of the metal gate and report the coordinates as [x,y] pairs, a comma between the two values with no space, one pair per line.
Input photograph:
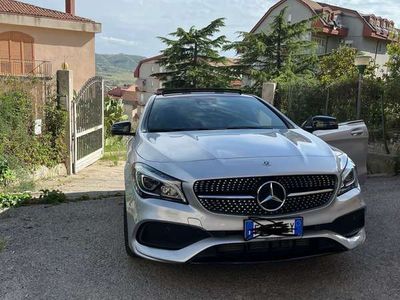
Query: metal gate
[88,124]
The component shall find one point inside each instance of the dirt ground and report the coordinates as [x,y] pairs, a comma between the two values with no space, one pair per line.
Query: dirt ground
[103,176]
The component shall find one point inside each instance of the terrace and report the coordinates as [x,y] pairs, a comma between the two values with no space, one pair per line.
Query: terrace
[36,68]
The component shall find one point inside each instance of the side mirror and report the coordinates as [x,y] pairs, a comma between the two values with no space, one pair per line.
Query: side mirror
[122,128]
[320,123]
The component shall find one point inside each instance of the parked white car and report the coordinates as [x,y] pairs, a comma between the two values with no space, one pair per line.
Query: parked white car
[216,175]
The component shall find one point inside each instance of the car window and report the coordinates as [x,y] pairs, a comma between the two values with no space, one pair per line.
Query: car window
[211,113]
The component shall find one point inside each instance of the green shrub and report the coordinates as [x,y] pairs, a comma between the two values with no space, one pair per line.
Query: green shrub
[21,151]
[304,98]
[52,197]
[301,98]
[13,200]
[113,112]
[6,174]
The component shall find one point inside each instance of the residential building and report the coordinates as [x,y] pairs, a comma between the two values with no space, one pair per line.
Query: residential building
[146,84]
[36,41]
[128,94]
[336,26]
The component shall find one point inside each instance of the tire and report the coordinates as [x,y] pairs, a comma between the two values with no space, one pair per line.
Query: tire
[127,248]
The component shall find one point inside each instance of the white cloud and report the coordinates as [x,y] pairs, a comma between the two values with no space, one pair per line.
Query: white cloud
[111,39]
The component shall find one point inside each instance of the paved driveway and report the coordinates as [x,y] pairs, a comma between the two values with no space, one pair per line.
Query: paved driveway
[76,251]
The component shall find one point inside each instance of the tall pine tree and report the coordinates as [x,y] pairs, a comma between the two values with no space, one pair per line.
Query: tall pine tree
[284,50]
[192,60]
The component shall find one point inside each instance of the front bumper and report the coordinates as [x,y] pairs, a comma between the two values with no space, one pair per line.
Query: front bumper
[194,251]
[316,224]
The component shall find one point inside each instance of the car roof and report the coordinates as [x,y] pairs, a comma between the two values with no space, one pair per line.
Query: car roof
[165,92]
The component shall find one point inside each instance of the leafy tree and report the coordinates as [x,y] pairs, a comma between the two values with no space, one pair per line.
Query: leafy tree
[394,60]
[193,59]
[392,87]
[279,53]
[338,65]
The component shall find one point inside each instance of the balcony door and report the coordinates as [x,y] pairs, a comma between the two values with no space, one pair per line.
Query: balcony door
[16,53]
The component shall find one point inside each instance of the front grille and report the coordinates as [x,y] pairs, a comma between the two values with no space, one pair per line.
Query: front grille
[238,196]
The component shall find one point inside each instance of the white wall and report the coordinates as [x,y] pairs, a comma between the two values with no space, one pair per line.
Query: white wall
[298,13]
[147,84]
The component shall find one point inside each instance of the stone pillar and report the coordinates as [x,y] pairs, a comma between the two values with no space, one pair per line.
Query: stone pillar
[65,95]
[268,92]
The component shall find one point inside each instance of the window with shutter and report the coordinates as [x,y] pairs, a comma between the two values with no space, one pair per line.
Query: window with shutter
[5,66]
[16,53]
[4,49]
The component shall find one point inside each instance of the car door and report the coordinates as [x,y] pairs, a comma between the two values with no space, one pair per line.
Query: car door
[351,138]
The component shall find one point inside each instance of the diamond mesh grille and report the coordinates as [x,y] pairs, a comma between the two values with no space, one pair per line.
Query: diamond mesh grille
[230,188]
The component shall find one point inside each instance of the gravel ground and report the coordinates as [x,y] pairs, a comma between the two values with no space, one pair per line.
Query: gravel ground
[76,251]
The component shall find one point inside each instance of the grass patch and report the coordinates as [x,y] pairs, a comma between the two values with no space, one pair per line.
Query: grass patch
[19,187]
[115,149]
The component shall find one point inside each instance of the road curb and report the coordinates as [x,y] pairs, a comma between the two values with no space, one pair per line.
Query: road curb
[81,196]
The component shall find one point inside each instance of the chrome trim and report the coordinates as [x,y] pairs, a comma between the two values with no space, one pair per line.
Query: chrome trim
[185,254]
[227,197]
[310,193]
[252,198]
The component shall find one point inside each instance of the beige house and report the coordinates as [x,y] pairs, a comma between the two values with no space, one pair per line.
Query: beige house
[145,83]
[338,26]
[36,41]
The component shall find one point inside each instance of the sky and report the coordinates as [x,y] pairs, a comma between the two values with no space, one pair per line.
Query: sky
[132,26]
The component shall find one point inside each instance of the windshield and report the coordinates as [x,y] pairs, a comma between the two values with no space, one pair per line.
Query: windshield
[211,113]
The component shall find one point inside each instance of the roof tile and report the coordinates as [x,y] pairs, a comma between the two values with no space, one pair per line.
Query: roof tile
[21,8]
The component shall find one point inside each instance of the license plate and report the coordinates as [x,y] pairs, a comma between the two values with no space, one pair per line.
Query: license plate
[255,228]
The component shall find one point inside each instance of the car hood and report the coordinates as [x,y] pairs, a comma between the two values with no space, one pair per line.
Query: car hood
[232,144]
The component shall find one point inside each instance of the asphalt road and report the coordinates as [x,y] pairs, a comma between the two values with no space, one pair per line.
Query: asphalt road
[76,251]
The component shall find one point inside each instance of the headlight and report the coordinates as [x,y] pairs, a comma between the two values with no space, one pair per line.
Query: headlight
[349,178]
[149,182]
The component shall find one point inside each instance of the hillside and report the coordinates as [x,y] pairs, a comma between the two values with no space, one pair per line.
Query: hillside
[117,69]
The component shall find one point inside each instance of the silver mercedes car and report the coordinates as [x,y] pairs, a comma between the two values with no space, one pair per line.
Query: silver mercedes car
[220,176]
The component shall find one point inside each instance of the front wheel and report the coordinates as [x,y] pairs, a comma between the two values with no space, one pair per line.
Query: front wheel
[127,248]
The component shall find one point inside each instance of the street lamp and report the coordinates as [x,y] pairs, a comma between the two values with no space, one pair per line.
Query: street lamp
[361,62]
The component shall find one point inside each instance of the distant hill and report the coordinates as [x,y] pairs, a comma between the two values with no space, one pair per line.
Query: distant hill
[117,69]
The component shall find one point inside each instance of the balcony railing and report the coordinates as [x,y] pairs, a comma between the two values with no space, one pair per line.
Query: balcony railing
[36,68]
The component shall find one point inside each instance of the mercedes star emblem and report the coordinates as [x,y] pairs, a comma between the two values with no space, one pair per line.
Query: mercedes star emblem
[271,196]
[267,163]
